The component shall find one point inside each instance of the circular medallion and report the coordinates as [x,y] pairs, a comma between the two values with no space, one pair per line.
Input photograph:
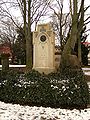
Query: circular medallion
[43,38]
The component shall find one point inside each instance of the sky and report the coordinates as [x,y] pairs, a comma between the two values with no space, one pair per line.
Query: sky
[16,13]
[66,10]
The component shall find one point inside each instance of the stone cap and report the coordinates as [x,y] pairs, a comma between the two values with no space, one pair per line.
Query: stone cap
[44,27]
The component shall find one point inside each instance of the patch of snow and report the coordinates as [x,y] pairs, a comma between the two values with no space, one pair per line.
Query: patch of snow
[88,84]
[17,112]
[63,87]
[87,73]
[15,65]
[85,68]
[54,87]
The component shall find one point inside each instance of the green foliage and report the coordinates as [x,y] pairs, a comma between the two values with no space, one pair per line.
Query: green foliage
[84,52]
[74,89]
[84,49]
[54,90]
[19,48]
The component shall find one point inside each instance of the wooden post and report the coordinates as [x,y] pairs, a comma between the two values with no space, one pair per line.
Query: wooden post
[5,62]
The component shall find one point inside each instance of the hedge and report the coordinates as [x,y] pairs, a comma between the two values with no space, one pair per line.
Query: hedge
[67,90]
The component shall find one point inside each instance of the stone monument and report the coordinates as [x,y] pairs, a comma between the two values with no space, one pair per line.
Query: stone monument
[44,49]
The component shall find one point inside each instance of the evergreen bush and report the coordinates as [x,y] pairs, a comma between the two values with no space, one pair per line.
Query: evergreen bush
[66,90]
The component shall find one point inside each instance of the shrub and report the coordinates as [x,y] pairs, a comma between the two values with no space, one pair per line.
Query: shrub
[77,92]
[66,90]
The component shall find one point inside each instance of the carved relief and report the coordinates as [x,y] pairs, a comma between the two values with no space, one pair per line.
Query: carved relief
[49,33]
[36,34]
[43,49]
[42,29]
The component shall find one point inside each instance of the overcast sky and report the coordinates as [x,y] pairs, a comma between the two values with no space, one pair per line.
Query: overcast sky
[65,10]
[87,13]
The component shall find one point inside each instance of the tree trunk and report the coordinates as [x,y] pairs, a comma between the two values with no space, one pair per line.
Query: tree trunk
[69,47]
[29,40]
[60,34]
[80,27]
[5,62]
[28,36]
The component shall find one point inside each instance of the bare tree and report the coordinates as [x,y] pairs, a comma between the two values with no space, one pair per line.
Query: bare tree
[76,28]
[8,35]
[60,21]
[30,11]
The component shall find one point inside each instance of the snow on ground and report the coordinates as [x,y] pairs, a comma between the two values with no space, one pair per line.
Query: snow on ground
[17,112]
[86,69]
[15,66]
[87,73]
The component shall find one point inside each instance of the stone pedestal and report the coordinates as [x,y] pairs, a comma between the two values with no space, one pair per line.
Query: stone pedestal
[44,49]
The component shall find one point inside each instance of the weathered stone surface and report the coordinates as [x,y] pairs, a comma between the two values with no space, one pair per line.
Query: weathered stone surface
[73,61]
[44,49]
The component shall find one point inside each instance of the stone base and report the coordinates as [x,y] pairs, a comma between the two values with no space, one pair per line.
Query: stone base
[45,70]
